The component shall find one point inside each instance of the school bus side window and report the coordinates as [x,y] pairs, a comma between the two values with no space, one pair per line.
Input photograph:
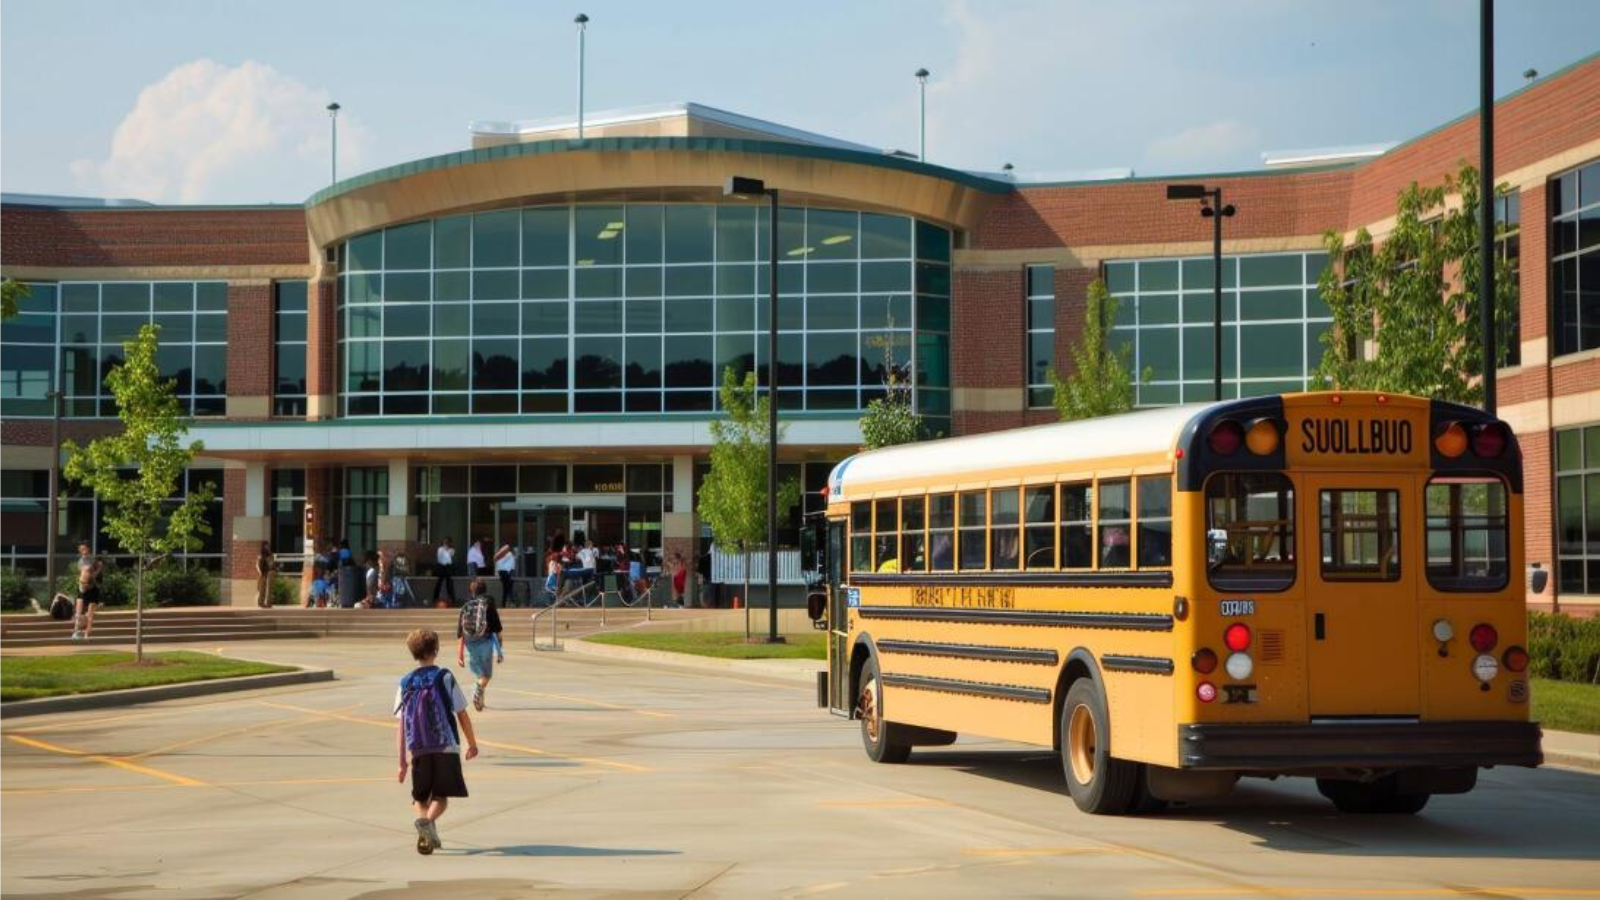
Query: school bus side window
[1004,533]
[941,533]
[886,536]
[1115,516]
[861,537]
[973,544]
[1077,515]
[1155,522]
[913,541]
[1038,527]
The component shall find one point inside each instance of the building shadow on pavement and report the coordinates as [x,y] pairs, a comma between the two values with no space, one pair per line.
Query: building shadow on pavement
[1500,818]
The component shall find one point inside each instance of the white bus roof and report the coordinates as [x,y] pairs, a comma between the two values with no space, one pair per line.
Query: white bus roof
[1063,443]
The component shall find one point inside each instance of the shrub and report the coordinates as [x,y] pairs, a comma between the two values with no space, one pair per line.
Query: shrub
[1564,648]
[116,585]
[285,592]
[170,584]
[15,589]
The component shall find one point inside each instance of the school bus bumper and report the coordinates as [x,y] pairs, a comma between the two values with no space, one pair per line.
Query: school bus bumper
[1364,745]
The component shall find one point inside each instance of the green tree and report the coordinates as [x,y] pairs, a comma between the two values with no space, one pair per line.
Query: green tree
[135,474]
[1101,381]
[733,497]
[891,419]
[1406,310]
[12,293]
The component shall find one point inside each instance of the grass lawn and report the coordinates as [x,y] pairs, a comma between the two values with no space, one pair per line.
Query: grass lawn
[726,644]
[1567,705]
[29,677]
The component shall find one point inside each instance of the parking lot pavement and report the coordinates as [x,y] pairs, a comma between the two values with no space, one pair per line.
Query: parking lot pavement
[612,778]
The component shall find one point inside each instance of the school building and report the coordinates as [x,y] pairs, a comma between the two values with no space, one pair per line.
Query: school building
[526,337]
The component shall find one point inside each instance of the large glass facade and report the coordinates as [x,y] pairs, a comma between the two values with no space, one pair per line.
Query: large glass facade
[80,326]
[1273,321]
[638,308]
[1575,259]
[289,348]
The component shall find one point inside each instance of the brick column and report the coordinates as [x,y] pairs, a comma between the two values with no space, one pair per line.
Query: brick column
[680,530]
[987,341]
[250,343]
[244,508]
[322,348]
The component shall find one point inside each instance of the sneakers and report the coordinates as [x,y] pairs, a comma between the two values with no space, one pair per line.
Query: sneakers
[477,697]
[77,635]
[425,836]
[433,835]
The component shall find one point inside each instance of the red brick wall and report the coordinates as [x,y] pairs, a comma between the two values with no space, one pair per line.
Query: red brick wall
[1538,495]
[1534,276]
[250,340]
[1575,378]
[988,322]
[153,237]
[36,432]
[1072,301]
[322,346]
[241,562]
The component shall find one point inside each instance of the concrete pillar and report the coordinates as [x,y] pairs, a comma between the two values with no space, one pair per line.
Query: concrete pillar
[680,529]
[398,530]
[245,497]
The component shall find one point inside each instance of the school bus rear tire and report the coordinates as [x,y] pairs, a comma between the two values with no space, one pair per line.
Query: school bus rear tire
[880,737]
[1099,782]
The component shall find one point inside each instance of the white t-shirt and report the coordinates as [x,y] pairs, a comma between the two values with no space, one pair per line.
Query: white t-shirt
[475,557]
[587,557]
[458,702]
[446,556]
[507,563]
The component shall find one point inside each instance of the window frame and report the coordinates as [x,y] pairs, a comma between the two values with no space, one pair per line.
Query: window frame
[1265,584]
[1396,519]
[1457,583]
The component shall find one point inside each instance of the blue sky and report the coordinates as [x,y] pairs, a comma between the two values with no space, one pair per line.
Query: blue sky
[216,102]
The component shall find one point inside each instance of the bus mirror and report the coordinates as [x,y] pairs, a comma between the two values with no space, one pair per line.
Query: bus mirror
[816,605]
[1216,546]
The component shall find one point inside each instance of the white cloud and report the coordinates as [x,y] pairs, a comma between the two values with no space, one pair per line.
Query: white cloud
[1212,146]
[209,133]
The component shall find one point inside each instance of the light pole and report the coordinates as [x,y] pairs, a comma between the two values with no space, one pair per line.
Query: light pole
[922,114]
[1213,208]
[738,186]
[582,21]
[333,158]
[53,508]
[1486,199]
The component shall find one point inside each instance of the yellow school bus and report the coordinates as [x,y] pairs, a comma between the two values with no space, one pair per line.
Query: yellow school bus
[1320,584]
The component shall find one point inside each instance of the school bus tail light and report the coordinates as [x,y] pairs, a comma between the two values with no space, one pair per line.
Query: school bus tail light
[1452,441]
[1483,637]
[1262,438]
[1239,666]
[1489,441]
[1237,637]
[1225,437]
[1515,659]
[1204,661]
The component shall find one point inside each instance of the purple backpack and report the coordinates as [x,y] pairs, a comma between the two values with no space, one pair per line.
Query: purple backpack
[426,712]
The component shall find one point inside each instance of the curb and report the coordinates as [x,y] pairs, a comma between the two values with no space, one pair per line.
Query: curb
[1571,750]
[803,671]
[133,696]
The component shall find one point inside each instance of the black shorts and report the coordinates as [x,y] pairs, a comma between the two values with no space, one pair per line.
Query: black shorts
[89,595]
[436,775]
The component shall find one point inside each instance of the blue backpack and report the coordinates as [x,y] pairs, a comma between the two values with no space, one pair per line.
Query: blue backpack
[426,712]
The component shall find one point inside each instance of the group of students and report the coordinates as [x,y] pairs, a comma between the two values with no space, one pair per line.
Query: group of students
[444,570]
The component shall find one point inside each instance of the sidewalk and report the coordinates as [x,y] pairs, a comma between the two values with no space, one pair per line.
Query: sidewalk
[1579,751]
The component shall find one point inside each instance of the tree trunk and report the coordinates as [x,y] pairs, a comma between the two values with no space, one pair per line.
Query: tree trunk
[746,549]
[138,612]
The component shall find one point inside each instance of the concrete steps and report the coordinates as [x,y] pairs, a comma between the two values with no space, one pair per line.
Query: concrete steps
[160,626]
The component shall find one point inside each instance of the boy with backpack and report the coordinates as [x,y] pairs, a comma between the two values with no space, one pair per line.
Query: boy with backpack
[478,637]
[429,704]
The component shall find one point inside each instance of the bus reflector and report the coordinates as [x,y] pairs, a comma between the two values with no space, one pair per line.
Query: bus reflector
[1489,441]
[1237,637]
[1483,637]
[1452,441]
[1442,631]
[1240,665]
[1204,661]
[1516,659]
[1262,438]
[1207,691]
[1485,667]
[1226,436]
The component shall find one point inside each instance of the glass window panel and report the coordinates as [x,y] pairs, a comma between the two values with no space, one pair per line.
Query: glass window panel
[406,321]
[449,321]
[830,278]
[408,246]
[544,364]
[1159,275]
[1250,518]
[1569,450]
[496,239]
[450,365]
[1120,277]
[1316,307]
[933,278]
[405,365]
[933,242]
[1591,441]
[174,296]
[643,316]
[32,328]
[1360,535]
[542,284]
[687,361]
[456,287]
[364,253]
[736,314]
[598,363]
[830,313]
[597,317]
[544,237]
[1197,274]
[736,280]
[1270,271]
[408,287]
[494,404]
[1155,522]
[688,401]
[689,234]
[735,351]
[494,365]
[833,234]
[1158,309]
[736,233]
[452,242]
[544,318]
[885,237]
[363,361]
[689,314]
[1276,351]
[1285,304]
[544,403]
[84,298]
[686,281]
[643,281]
[290,369]
[831,359]
[1158,351]
[1199,346]
[885,276]
[1198,308]
[933,314]
[599,235]
[1113,517]
[210,328]
[78,330]
[642,233]
[592,282]
[493,319]
[496,285]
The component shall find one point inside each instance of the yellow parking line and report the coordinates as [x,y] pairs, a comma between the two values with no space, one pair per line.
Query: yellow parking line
[498,745]
[900,803]
[600,703]
[107,760]
[1035,851]
[1370,892]
[280,782]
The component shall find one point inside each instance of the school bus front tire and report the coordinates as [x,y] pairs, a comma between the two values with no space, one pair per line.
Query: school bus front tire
[1099,782]
[882,738]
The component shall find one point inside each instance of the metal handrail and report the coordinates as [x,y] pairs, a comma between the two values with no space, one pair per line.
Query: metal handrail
[567,599]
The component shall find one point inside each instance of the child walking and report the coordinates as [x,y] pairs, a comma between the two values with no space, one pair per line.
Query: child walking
[429,705]
[478,632]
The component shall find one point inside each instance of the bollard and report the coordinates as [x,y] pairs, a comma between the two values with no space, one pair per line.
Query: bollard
[822,688]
